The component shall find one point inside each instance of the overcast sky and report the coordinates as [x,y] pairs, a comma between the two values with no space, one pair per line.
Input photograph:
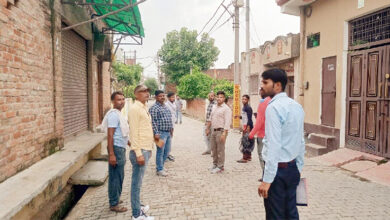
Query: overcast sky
[162,16]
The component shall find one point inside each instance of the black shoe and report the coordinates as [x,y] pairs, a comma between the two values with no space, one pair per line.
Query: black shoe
[171,158]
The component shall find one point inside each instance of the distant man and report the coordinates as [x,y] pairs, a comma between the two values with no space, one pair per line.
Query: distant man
[284,148]
[218,127]
[179,108]
[117,139]
[210,107]
[141,134]
[259,129]
[247,126]
[162,129]
[170,103]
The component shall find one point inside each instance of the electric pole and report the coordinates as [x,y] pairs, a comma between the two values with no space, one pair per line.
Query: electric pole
[247,44]
[236,96]
[236,26]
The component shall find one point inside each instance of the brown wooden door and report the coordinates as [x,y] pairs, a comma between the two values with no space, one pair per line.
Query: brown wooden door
[385,106]
[328,111]
[290,87]
[364,124]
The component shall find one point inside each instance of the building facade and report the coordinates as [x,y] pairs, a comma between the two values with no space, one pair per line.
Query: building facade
[345,64]
[282,52]
[54,84]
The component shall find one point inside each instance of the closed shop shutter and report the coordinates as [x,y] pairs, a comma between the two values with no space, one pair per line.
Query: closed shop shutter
[75,89]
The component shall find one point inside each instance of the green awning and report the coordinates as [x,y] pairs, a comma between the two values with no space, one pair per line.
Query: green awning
[127,22]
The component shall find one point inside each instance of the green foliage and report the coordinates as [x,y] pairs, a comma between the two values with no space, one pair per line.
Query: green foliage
[151,83]
[130,75]
[195,85]
[182,51]
[128,91]
[224,85]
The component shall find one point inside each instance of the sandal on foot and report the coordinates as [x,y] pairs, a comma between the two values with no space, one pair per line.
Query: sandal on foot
[118,208]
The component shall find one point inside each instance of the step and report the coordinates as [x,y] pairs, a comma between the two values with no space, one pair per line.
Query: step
[323,140]
[313,150]
[94,173]
[23,194]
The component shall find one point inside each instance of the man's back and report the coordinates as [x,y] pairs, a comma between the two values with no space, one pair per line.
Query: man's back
[283,134]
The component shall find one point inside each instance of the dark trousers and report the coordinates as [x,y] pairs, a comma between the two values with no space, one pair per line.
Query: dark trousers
[281,201]
[116,175]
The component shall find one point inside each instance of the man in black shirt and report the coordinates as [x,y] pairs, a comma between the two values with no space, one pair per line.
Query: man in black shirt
[247,125]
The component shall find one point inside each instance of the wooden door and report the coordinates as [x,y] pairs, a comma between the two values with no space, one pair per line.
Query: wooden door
[328,111]
[385,106]
[290,87]
[364,124]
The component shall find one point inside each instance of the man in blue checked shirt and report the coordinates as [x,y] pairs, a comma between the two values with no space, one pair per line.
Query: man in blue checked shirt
[284,148]
[162,129]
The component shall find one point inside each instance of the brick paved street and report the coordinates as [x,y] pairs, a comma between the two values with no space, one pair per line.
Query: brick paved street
[191,192]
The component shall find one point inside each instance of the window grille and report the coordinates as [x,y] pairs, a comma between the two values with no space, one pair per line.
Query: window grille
[370,28]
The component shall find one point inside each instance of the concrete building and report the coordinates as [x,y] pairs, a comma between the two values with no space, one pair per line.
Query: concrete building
[282,52]
[344,74]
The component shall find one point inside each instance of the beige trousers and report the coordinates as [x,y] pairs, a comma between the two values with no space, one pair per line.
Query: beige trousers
[217,148]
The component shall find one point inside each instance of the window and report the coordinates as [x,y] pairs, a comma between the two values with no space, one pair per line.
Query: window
[313,40]
[370,28]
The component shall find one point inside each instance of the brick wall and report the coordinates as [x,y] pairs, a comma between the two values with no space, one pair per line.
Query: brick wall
[106,87]
[31,100]
[26,86]
[196,108]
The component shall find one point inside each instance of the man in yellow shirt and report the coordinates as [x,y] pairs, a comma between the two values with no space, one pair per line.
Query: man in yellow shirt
[141,136]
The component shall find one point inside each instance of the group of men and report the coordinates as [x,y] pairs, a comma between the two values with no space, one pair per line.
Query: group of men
[279,127]
[280,141]
[142,129]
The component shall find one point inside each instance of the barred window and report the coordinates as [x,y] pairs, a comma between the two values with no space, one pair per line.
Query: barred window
[370,28]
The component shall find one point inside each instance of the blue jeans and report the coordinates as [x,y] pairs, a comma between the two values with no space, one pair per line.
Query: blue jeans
[116,175]
[163,152]
[136,181]
[178,116]
[281,202]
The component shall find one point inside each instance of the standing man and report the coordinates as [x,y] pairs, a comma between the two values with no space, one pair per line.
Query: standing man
[179,108]
[117,140]
[162,129]
[141,134]
[284,148]
[172,108]
[247,126]
[210,107]
[218,127]
[259,128]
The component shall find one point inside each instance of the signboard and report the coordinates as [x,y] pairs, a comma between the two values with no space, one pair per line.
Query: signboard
[360,4]
[236,106]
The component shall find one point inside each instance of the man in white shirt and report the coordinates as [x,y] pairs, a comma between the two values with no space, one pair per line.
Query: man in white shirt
[172,108]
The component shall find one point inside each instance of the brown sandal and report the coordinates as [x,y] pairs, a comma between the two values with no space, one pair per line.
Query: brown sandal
[118,208]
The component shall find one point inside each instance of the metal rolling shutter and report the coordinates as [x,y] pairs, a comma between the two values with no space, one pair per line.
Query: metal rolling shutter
[75,89]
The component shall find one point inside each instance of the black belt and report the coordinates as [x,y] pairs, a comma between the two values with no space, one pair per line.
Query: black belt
[218,129]
[285,164]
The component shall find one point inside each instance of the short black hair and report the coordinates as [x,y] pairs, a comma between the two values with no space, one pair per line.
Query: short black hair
[221,93]
[276,75]
[158,92]
[246,96]
[170,94]
[115,94]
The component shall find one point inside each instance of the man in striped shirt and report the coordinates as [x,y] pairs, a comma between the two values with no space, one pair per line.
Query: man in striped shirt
[210,107]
